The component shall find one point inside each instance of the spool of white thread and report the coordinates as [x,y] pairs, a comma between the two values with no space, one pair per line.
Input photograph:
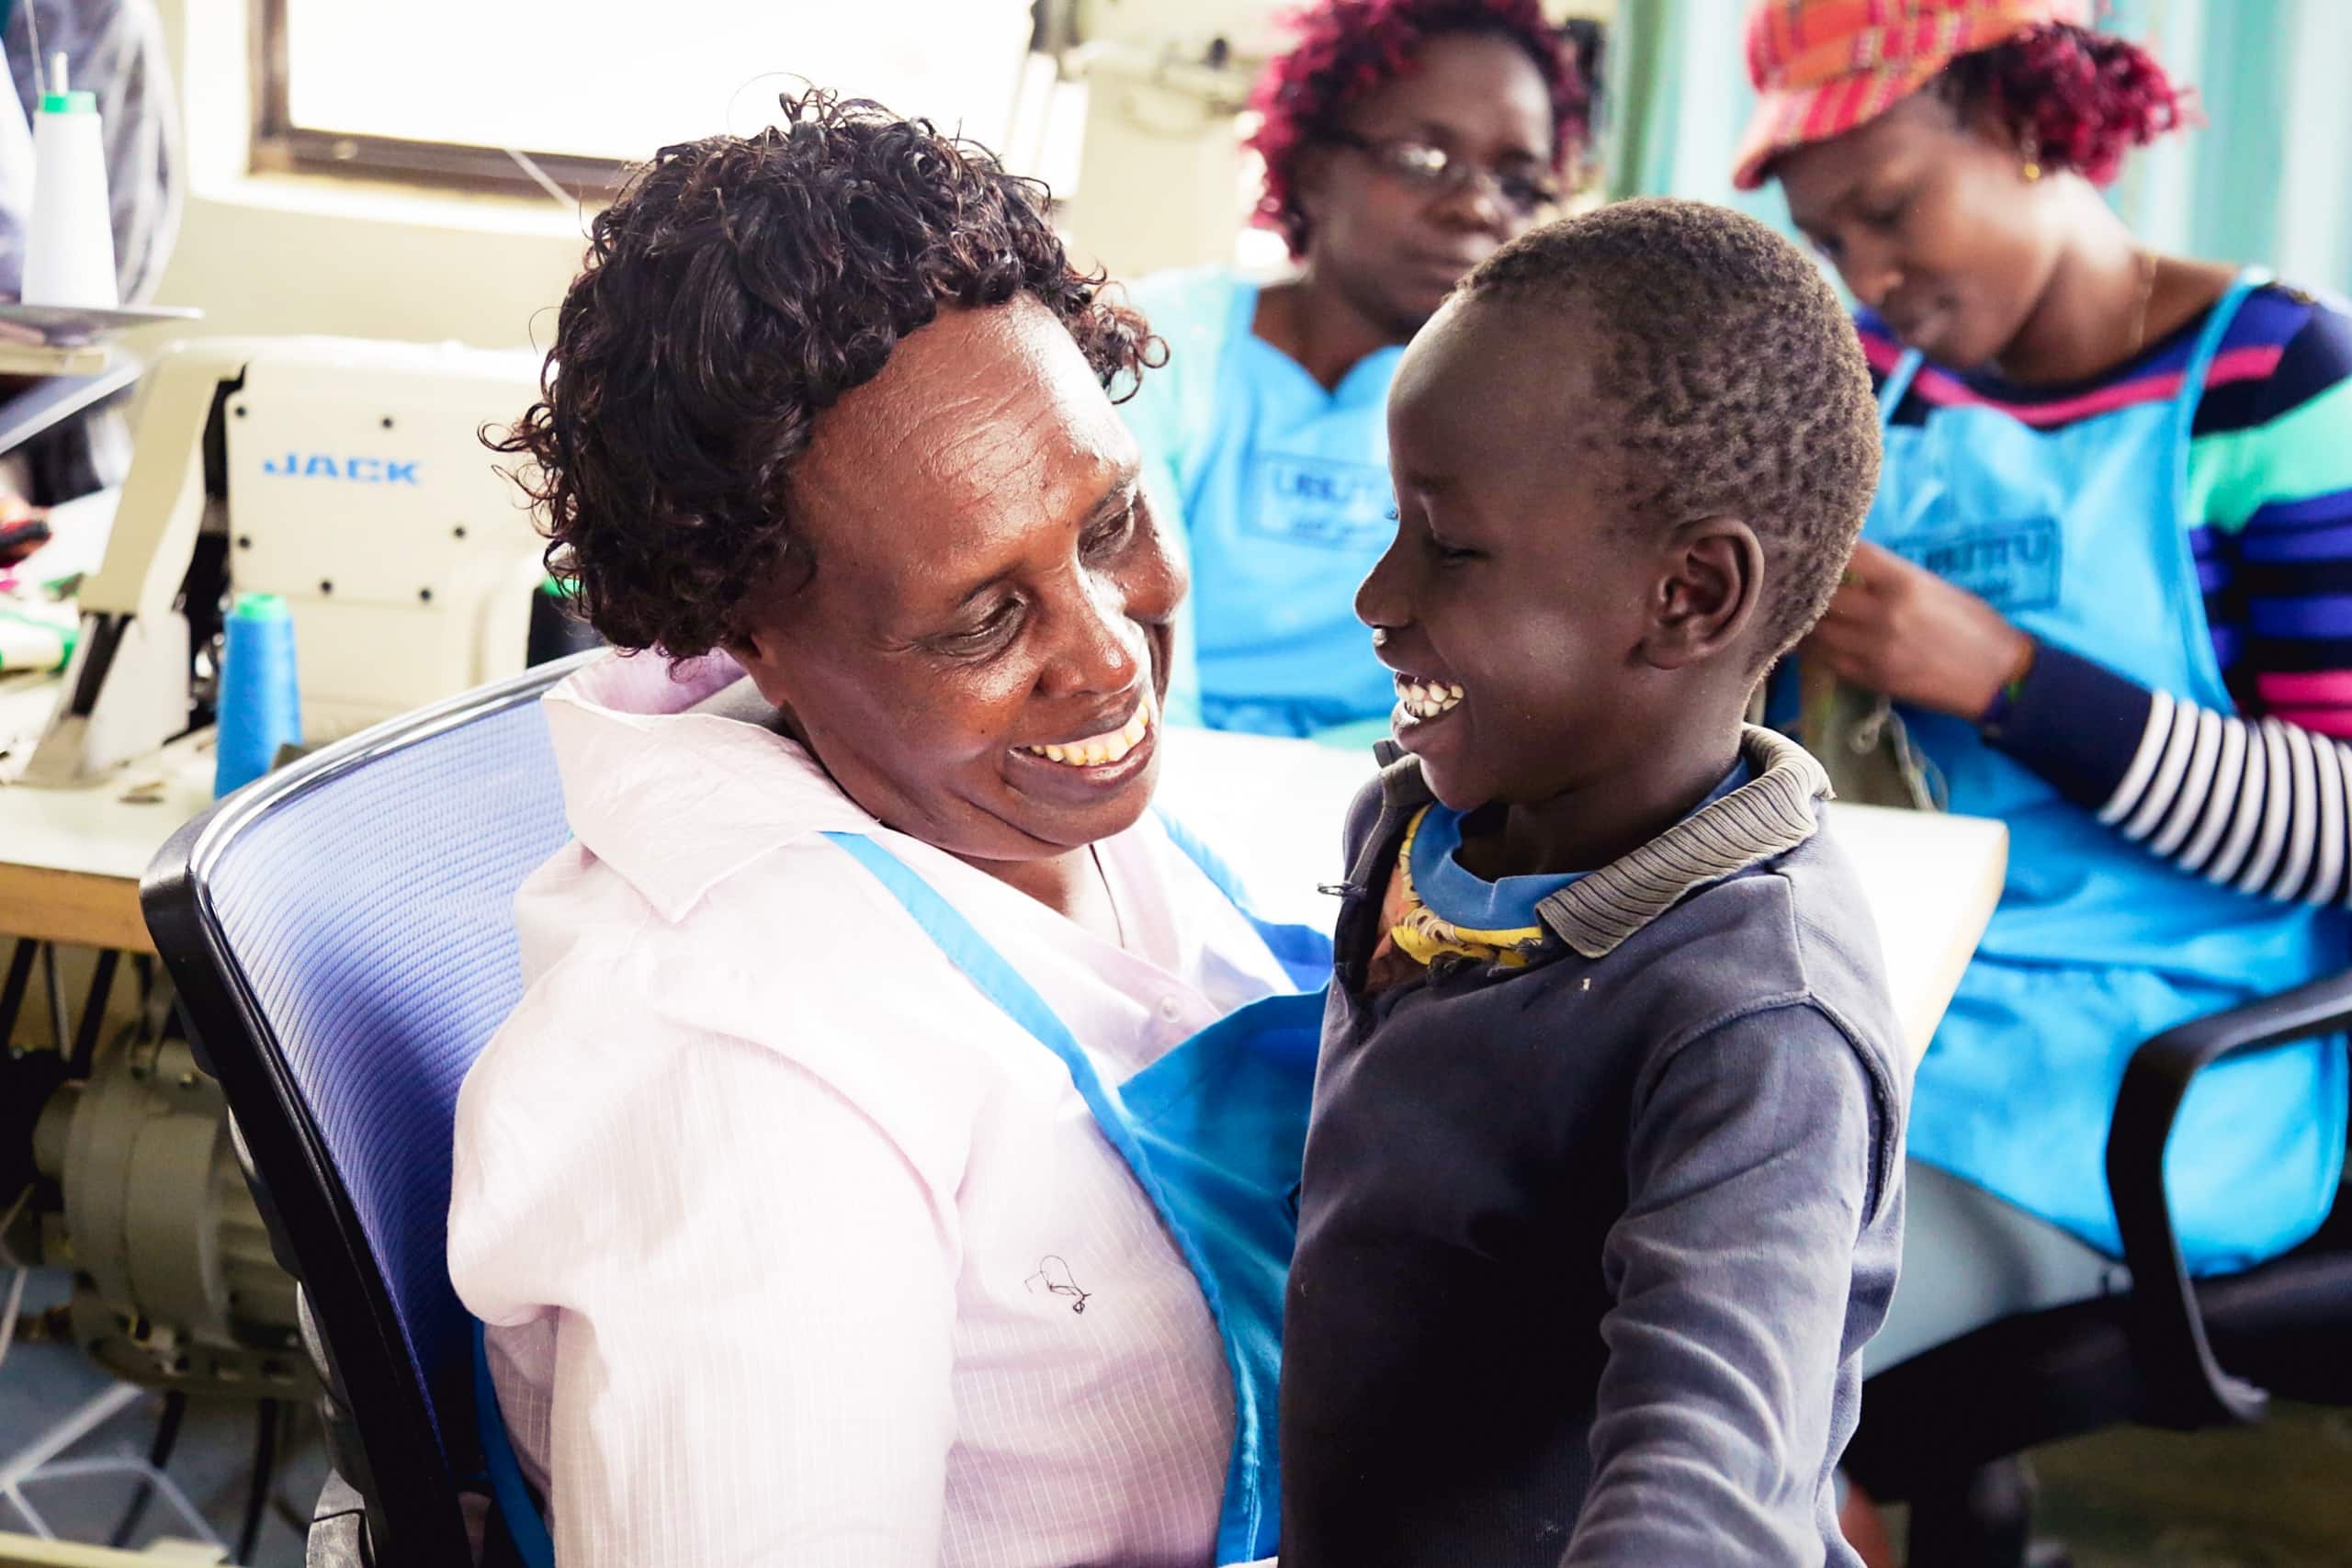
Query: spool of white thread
[69,253]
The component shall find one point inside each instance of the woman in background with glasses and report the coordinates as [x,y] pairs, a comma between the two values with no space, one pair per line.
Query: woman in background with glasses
[1405,142]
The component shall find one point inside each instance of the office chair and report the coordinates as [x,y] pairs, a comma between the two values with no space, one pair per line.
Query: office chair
[342,937]
[1943,1430]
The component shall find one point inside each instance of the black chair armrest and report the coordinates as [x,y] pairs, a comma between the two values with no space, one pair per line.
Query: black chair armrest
[2186,1388]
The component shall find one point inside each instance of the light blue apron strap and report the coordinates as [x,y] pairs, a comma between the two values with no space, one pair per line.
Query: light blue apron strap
[524,1528]
[1213,865]
[1002,984]
[2200,358]
[1303,952]
[1898,381]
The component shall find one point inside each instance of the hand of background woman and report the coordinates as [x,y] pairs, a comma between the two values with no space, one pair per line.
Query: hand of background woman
[1899,628]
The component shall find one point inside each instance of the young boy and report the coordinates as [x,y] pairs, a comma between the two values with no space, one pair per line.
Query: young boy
[1601,1194]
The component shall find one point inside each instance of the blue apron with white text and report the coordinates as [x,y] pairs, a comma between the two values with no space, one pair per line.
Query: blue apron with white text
[2079,535]
[1286,506]
[1213,1131]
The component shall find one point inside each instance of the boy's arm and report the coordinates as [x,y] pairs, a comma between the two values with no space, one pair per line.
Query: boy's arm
[1753,1169]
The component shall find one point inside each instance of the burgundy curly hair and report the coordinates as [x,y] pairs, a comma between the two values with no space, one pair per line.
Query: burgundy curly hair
[2084,99]
[735,289]
[1346,48]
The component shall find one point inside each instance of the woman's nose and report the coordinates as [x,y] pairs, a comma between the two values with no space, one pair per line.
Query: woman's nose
[1476,205]
[1102,647]
[1872,269]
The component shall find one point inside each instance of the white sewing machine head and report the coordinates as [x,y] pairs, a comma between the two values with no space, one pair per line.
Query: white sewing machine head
[349,476]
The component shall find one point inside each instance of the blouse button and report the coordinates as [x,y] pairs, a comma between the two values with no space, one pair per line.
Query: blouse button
[1170,1009]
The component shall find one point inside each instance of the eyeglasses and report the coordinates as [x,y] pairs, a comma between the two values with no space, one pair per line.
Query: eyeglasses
[1433,169]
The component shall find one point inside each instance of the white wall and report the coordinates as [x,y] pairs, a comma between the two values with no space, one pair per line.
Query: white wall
[266,254]
[291,253]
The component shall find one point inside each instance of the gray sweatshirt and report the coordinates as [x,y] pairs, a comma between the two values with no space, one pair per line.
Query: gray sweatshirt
[1589,1250]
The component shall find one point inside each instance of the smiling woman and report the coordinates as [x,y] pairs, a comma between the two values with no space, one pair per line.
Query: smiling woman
[1405,142]
[779,1187]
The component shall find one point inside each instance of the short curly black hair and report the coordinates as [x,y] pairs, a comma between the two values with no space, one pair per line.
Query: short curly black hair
[1738,383]
[736,289]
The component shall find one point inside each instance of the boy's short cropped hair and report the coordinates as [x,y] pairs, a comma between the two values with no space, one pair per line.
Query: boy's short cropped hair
[1738,383]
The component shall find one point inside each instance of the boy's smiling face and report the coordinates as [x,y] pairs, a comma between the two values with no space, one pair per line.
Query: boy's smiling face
[1571,631]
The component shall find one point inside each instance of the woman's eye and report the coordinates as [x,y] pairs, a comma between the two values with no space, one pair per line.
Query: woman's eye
[986,636]
[1448,555]
[1887,215]
[1110,531]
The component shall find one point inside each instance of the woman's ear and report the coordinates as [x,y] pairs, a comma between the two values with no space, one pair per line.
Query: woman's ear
[1707,593]
[763,640]
[763,661]
[1311,180]
[1987,123]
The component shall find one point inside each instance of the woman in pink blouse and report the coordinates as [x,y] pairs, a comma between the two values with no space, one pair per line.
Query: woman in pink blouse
[792,1246]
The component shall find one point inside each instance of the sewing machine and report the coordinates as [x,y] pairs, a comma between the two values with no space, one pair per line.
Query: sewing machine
[348,477]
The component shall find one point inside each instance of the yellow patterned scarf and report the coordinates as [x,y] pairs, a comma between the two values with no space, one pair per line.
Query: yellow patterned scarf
[1416,933]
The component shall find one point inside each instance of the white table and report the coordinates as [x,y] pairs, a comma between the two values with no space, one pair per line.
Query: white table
[71,859]
[1275,809]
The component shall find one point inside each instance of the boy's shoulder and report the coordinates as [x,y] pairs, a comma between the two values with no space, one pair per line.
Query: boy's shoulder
[1792,932]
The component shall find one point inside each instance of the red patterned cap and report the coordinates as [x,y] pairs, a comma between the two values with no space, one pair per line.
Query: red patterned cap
[1821,67]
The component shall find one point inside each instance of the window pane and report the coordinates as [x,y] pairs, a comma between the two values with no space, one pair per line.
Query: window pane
[604,79]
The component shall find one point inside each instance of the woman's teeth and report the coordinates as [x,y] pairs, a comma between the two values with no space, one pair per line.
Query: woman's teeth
[1426,699]
[1111,746]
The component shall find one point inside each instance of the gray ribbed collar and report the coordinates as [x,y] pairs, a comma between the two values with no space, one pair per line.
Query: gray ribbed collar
[1770,815]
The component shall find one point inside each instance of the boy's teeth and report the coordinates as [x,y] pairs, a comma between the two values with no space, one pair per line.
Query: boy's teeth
[1111,746]
[1426,699]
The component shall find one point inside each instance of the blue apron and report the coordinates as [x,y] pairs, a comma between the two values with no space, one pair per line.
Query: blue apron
[1213,1132]
[2080,536]
[1286,506]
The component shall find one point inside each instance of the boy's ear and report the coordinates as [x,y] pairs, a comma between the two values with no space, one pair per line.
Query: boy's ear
[1706,594]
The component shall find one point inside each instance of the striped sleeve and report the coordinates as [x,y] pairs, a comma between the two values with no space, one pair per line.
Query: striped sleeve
[2258,802]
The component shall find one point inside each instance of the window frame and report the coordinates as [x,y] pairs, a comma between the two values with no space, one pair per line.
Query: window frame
[281,146]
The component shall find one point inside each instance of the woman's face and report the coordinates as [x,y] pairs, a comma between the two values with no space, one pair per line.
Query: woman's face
[983,581]
[1931,222]
[1394,248]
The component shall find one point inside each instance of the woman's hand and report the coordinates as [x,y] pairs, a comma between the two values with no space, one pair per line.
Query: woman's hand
[1899,628]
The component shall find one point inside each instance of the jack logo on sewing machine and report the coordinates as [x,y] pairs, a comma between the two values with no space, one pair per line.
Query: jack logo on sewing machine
[351,470]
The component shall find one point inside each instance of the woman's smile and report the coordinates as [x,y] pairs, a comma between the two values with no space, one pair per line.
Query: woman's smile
[1086,770]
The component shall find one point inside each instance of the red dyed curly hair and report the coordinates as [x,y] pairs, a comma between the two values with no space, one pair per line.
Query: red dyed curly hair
[2085,98]
[1346,48]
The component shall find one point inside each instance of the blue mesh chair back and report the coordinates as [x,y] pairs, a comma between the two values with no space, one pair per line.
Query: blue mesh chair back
[342,937]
